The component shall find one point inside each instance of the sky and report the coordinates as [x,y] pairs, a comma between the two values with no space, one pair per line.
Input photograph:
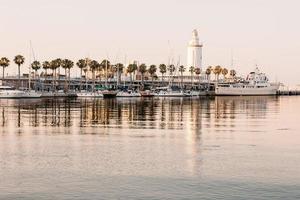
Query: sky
[252,32]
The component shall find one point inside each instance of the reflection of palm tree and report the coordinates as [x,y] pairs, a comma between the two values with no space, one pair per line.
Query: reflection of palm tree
[143,70]
[81,64]
[36,65]
[181,70]
[152,70]
[4,62]
[19,60]
[162,70]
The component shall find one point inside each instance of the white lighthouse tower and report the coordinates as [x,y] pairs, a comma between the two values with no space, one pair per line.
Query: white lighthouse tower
[194,56]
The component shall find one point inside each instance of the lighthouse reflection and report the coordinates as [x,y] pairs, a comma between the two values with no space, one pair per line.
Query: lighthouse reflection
[192,114]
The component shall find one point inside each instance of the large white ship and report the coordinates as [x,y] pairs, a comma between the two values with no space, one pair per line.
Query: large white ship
[256,83]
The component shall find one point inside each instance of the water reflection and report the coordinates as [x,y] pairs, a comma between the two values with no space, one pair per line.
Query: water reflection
[152,113]
[193,114]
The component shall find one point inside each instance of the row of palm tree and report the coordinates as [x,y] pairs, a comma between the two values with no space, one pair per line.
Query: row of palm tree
[218,70]
[109,70]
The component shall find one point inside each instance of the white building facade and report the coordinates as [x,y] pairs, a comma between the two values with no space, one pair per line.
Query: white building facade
[194,55]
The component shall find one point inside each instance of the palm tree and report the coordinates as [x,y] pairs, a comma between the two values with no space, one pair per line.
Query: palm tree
[217,71]
[192,70]
[94,65]
[19,60]
[224,72]
[85,70]
[181,70]
[198,72]
[162,70]
[130,69]
[35,65]
[54,64]
[208,72]
[105,64]
[46,66]
[4,62]
[143,70]
[119,70]
[81,64]
[152,70]
[232,73]
[171,69]
[67,64]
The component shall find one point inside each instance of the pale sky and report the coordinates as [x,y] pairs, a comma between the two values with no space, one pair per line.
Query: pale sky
[263,32]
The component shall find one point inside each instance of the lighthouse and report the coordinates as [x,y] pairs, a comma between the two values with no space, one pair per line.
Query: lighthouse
[194,55]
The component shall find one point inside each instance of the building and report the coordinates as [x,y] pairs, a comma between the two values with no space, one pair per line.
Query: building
[194,55]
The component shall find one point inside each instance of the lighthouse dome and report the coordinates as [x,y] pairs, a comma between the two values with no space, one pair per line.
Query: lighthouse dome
[195,39]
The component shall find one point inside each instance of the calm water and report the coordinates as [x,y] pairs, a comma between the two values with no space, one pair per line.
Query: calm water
[172,148]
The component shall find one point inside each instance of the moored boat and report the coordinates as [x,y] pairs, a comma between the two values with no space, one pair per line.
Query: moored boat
[11,93]
[147,93]
[87,94]
[109,93]
[256,83]
[128,93]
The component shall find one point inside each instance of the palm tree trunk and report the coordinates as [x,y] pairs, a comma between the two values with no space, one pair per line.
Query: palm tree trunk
[34,81]
[181,80]
[19,77]
[93,80]
[69,79]
[66,79]
[80,80]
[2,74]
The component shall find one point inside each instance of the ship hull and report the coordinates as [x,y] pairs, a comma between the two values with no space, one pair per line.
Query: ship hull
[230,91]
